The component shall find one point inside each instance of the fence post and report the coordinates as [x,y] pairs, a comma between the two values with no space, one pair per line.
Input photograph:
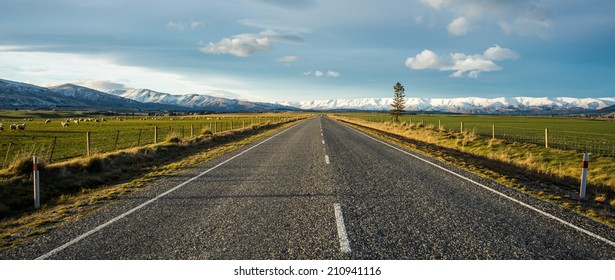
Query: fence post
[88,143]
[6,158]
[584,175]
[493,131]
[53,148]
[461,128]
[191,130]
[439,125]
[546,138]
[139,139]
[36,179]
[117,137]
[155,134]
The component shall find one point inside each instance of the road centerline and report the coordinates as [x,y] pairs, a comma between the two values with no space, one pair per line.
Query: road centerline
[327,159]
[341,229]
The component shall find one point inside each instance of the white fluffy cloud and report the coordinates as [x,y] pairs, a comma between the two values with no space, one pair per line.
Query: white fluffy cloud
[241,45]
[333,74]
[425,60]
[521,17]
[461,64]
[459,26]
[318,73]
[498,53]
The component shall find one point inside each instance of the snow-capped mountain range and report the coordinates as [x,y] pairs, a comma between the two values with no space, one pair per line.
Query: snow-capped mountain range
[198,101]
[14,95]
[463,105]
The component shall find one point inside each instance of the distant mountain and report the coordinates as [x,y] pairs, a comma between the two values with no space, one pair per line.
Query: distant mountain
[15,95]
[469,105]
[199,101]
[105,100]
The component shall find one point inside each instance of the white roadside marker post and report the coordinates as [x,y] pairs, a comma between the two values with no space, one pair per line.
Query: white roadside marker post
[36,179]
[584,175]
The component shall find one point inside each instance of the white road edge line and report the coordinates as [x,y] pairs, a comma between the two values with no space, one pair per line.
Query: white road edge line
[323,142]
[610,242]
[327,159]
[341,229]
[98,228]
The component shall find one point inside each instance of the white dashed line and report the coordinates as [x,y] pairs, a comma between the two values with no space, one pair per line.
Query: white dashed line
[323,142]
[327,159]
[341,229]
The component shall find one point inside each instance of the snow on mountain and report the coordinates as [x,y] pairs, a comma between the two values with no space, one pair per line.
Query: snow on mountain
[197,101]
[20,95]
[461,105]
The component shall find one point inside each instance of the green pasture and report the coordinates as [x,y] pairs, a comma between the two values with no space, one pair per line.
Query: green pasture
[52,142]
[567,133]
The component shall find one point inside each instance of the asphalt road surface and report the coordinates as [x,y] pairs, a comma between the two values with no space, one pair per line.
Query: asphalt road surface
[322,190]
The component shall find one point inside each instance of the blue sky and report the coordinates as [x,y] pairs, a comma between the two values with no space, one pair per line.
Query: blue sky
[276,50]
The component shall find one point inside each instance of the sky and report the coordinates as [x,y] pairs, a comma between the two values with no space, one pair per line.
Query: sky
[285,50]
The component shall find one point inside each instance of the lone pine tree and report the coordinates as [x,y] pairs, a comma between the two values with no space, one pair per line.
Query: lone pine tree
[399,102]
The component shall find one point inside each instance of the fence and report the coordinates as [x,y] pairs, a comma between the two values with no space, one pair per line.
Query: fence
[61,144]
[595,143]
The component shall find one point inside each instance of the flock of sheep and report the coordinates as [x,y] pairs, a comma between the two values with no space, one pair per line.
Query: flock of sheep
[65,123]
[21,126]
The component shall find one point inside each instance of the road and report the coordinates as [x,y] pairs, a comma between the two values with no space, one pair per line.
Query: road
[322,190]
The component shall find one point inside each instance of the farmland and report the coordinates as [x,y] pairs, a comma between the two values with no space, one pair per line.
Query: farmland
[578,134]
[53,142]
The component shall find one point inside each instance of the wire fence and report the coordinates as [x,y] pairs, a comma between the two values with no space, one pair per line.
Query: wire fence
[63,144]
[595,143]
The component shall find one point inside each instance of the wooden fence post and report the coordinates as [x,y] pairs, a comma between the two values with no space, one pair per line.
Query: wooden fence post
[461,128]
[117,137]
[546,138]
[191,130]
[139,139]
[493,131]
[88,146]
[155,134]
[53,147]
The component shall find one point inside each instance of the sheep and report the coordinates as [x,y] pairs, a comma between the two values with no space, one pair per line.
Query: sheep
[21,126]
[1,127]
[48,121]
[65,124]
[13,127]
[76,121]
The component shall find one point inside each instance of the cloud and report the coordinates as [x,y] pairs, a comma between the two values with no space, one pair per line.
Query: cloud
[520,17]
[462,64]
[333,74]
[459,26]
[318,73]
[498,53]
[241,45]
[289,58]
[103,86]
[425,60]
[181,26]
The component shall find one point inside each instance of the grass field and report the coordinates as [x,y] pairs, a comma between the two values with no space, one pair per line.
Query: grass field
[578,134]
[53,143]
